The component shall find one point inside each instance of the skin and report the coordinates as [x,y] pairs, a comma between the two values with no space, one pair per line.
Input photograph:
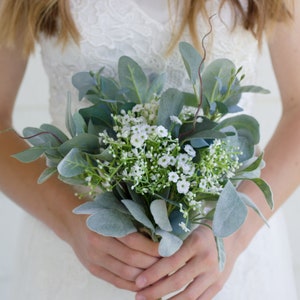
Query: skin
[133,262]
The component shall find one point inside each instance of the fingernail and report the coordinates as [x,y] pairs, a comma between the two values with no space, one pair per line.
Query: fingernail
[141,282]
[140,297]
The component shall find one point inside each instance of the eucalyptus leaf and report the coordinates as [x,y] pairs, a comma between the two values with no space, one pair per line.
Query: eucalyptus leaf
[169,243]
[253,89]
[160,214]
[133,78]
[171,104]
[156,86]
[46,174]
[70,124]
[83,81]
[30,154]
[79,123]
[85,142]
[59,135]
[230,212]
[110,222]
[192,60]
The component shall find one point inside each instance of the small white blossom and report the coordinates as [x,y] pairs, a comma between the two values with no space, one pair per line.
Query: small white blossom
[183,226]
[161,131]
[190,150]
[183,186]
[173,177]
[136,140]
[176,120]
[164,161]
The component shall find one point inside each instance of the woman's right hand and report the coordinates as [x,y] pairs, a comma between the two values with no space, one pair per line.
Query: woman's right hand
[117,261]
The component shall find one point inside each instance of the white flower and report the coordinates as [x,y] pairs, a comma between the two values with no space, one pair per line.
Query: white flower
[164,161]
[199,120]
[175,119]
[161,131]
[173,177]
[183,186]
[183,226]
[190,150]
[137,140]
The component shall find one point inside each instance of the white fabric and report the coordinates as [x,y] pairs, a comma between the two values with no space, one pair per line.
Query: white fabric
[47,268]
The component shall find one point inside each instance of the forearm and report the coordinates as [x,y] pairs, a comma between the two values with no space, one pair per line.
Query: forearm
[282,156]
[51,202]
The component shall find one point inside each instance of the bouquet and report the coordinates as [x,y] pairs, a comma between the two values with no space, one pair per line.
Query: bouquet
[157,161]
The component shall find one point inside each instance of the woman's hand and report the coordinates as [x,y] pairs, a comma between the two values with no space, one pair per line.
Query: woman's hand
[117,261]
[193,269]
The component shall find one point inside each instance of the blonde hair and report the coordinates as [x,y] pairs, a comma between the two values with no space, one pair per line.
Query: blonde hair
[52,17]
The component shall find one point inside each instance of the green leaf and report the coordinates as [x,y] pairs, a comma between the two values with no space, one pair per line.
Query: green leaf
[192,60]
[110,222]
[85,142]
[230,212]
[70,124]
[47,173]
[266,190]
[215,74]
[56,132]
[169,243]
[79,123]
[83,81]
[171,104]
[159,212]
[252,205]
[29,155]
[156,87]
[253,89]
[39,137]
[138,213]
[132,79]
[221,253]
[72,164]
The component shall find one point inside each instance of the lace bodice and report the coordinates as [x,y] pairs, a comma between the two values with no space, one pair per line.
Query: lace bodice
[141,29]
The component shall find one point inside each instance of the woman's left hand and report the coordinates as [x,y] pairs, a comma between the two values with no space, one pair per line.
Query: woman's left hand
[193,269]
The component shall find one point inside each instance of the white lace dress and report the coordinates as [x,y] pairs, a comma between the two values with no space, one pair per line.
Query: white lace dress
[47,267]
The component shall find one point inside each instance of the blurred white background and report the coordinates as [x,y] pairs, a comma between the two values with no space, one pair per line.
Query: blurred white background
[31,110]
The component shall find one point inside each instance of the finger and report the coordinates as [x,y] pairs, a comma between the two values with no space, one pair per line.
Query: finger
[113,279]
[141,243]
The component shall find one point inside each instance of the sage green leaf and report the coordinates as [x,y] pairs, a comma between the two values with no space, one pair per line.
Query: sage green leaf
[69,122]
[252,205]
[216,77]
[246,126]
[190,99]
[230,212]
[169,243]
[132,79]
[56,132]
[83,81]
[138,213]
[109,222]
[156,86]
[266,190]
[221,253]
[159,212]
[171,104]
[79,123]
[29,155]
[72,164]
[109,88]
[46,174]
[192,60]
[253,89]
[38,137]
[85,142]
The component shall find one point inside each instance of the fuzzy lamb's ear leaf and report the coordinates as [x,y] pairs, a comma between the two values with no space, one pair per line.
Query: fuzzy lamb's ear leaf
[230,212]
[109,222]
[138,212]
[160,214]
[169,243]
[72,164]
